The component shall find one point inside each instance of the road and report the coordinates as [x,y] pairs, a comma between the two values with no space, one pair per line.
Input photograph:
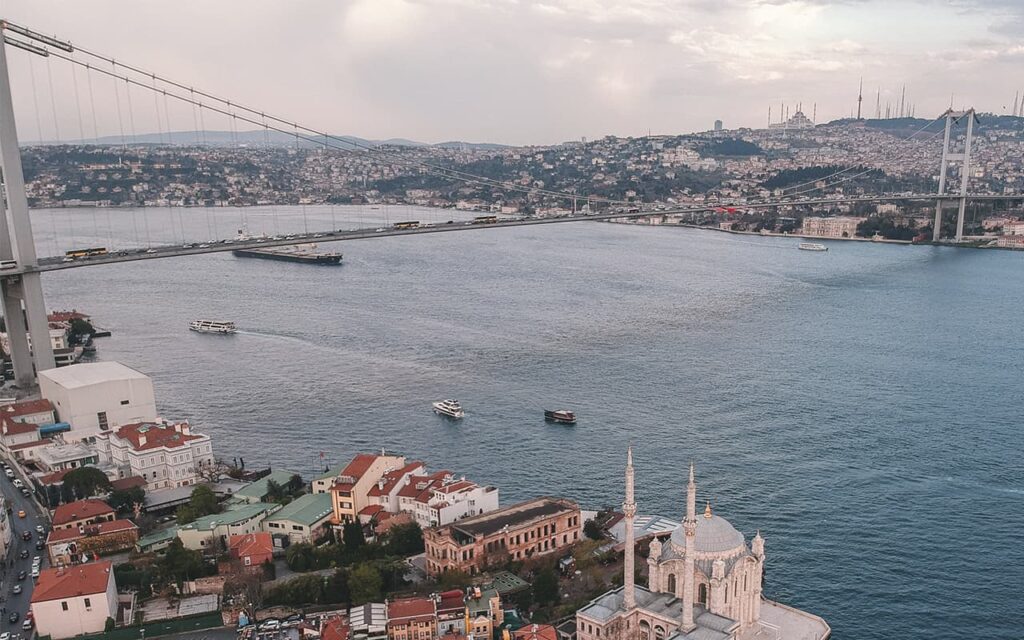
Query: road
[14,563]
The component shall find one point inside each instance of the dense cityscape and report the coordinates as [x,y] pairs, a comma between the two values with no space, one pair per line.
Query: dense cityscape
[746,392]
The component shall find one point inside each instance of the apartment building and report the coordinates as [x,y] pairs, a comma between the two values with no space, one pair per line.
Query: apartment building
[350,489]
[165,455]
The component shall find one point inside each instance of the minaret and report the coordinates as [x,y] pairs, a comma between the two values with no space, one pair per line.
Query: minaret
[629,510]
[690,527]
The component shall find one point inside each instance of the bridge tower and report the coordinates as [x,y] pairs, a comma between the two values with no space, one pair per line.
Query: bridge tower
[964,157]
[24,310]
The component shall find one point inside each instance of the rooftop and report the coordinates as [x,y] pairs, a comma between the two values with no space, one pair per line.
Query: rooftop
[257,490]
[240,513]
[80,510]
[83,375]
[406,610]
[259,543]
[9,426]
[98,529]
[80,580]
[150,435]
[517,515]
[26,408]
[307,509]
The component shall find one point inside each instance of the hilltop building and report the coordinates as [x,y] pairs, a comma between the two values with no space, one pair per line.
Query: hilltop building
[98,396]
[69,602]
[350,489]
[704,583]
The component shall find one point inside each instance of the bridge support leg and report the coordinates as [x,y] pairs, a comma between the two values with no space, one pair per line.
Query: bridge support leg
[937,225]
[24,308]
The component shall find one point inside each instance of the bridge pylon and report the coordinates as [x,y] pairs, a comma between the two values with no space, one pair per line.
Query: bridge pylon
[964,158]
[24,309]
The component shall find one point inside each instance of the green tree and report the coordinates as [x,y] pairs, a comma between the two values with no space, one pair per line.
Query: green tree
[545,586]
[304,590]
[179,563]
[275,492]
[453,580]
[336,591]
[85,482]
[352,535]
[592,530]
[124,500]
[185,514]
[300,557]
[365,584]
[203,501]
[405,540]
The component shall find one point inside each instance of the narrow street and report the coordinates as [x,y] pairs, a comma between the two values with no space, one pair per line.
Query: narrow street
[14,563]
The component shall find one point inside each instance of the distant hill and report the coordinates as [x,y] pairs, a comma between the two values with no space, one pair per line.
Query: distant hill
[260,138]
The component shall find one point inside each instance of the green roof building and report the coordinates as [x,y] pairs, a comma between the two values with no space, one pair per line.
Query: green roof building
[239,519]
[304,519]
[257,491]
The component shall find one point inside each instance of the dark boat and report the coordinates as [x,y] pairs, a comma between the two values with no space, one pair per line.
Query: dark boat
[297,253]
[563,416]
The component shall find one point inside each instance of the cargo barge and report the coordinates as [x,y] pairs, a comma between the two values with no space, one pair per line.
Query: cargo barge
[297,253]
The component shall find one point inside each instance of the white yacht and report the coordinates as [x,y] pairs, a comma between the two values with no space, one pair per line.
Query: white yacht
[811,246]
[212,326]
[450,408]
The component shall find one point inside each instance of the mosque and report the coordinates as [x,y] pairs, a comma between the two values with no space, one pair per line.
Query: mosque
[704,583]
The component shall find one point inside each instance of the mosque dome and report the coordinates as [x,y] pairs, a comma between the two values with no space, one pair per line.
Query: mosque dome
[714,535]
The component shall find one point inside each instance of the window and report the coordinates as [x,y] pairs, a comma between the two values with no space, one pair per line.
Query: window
[672,583]
[124,402]
[88,604]
[64,606]
[101,418]
[702,594]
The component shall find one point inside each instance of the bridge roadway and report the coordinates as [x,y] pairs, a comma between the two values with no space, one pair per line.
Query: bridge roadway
[58,263]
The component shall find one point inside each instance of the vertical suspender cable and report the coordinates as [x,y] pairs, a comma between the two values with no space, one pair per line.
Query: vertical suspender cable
[35,99]
[135,140]
[96,135]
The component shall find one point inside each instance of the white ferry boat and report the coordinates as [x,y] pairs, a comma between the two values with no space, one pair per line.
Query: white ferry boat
[812,246]
[212,326]
[450,408]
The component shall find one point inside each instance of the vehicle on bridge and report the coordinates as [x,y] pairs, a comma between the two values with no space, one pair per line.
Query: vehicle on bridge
[485,219]
[411,224]
[75,254]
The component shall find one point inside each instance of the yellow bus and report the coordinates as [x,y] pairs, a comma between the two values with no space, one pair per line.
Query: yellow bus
[485,219]
[85,253]
[411,224]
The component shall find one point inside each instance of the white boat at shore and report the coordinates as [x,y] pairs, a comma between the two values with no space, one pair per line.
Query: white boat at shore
[212,326]
[450,408]
[811,246]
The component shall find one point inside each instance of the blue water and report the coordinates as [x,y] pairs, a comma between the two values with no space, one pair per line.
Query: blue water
[860,407]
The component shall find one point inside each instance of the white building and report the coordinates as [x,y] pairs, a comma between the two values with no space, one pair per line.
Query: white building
[98,396]
[68,602]
[440,499]
[59,456]
[165,455]
[5,529]
[835,227]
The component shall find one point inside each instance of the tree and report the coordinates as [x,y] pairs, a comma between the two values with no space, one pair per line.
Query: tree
[212,472]
[179,563]
[336,591]
[592,530]
[203,501]
[405,539]
[453,580]
[124,500]
[365,584]
[352,535]
[545,586]
[275,492]
[185,514]
[85,482]
[300,557]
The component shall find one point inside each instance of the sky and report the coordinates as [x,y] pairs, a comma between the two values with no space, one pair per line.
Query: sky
[517,71]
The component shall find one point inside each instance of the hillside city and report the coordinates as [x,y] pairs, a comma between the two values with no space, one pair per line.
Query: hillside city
[795,160]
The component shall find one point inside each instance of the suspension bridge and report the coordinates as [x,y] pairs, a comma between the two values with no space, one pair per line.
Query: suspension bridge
[20,268]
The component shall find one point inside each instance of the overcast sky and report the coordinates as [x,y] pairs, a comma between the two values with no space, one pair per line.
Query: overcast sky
[524,71]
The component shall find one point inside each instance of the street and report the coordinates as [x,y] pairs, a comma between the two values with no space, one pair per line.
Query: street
[13,563]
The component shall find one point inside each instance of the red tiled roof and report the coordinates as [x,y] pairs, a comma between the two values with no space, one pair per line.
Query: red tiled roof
[26,408]
[127,483]
[156,435]
[392,478]
[11,427]
[80,580]
[29,445]
[451,601]
[536,632]
[371,510]
[456,486]
[65,316]
[98,529]
[55,477]
[406,610]
[80,510]
[420,485]
[251,544]
[359,465]
[334,629]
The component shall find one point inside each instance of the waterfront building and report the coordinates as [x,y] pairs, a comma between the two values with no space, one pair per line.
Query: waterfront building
[20,422]
[437,499]
[304,519]
[412,619]
[834,227]
[69,602]
[66,546]
[385,492]
[165,455]
[252,549]
[704,583]
[96,397]
[543,526]
[258,490]
[210,531]
[80,513]
[350,489]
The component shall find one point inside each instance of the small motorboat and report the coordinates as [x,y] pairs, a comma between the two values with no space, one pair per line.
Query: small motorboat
[563,416]
[450,408]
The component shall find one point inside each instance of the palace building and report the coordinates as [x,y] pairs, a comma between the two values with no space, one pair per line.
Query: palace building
[704,583]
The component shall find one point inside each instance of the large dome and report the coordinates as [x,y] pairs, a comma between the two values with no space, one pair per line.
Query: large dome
[714,535]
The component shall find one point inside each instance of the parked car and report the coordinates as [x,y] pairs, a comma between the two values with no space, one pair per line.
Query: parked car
[24,553]
[26,535]
[26,625]
[16,589]
[18,483]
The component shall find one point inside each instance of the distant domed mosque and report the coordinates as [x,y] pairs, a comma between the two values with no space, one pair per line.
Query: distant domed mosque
[704,583]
